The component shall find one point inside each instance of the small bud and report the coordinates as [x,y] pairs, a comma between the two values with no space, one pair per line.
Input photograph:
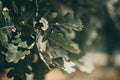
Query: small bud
[45,24]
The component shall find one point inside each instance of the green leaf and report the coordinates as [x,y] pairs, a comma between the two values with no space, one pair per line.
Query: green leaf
[5,32]
[7,17]
[3,39]
[18,35]
[65,43]
[16,41]
[13,55]
[23,44]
